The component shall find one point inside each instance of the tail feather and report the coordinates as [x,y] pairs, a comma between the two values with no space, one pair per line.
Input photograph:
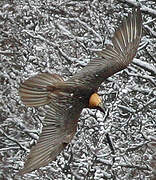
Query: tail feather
[34,91]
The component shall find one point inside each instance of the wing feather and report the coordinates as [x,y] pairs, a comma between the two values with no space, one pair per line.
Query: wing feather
[59,128]
[113,58]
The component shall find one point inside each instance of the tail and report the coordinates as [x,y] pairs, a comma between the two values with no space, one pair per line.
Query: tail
[35,91]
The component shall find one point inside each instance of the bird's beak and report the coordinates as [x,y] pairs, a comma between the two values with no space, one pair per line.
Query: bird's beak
[101,107]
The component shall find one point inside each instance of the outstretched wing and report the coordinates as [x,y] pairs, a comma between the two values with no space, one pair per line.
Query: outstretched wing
[116,57]
[60,122]
[59,127]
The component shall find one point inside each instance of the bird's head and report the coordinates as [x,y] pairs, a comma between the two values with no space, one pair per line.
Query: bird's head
[95,102]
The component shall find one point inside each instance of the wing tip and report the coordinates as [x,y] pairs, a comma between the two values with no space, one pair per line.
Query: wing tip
[129,31]
[36,161]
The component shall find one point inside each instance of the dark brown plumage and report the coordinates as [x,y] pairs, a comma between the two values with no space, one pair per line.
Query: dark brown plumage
[66,99]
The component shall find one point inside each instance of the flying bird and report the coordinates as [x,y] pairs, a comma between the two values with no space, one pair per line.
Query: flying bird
[66,99]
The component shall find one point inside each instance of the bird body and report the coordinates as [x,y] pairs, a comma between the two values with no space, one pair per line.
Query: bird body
[66,99]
